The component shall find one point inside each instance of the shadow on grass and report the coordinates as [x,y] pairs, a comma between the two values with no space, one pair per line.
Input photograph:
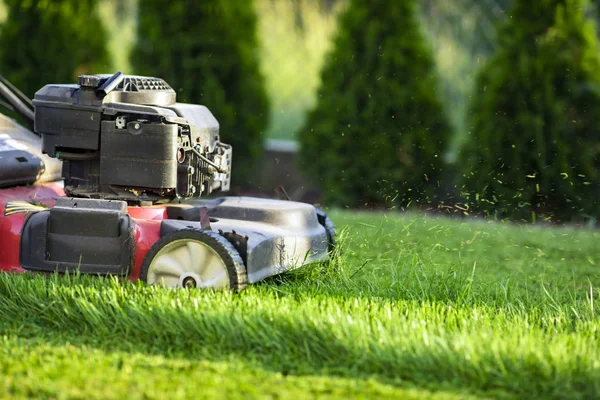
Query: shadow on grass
[94,372]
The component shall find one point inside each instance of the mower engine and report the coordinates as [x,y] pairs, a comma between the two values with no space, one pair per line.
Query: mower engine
[126,138]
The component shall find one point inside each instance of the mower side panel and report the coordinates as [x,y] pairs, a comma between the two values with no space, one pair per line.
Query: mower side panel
[273,236]
[10,237]
[11,223]
[147,232]
[273,250]
[281,235]
[91,236]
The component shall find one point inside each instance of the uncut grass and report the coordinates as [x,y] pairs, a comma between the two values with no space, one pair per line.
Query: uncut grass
[428,301]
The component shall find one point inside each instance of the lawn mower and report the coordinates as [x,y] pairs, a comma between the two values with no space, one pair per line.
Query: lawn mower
[115,177]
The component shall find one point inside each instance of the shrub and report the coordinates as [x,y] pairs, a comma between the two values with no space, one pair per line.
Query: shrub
[51,42]
[208,52]
[535,118]
[378,132]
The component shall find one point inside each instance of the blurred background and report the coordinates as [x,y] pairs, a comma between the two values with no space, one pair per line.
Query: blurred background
[262,68]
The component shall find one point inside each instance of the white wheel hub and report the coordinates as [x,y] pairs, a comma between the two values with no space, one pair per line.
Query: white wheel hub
[188,263]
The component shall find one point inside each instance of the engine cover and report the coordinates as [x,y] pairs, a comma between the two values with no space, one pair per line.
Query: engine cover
[126,138]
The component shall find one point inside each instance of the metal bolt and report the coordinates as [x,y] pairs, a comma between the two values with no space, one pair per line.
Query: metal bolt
[120,123]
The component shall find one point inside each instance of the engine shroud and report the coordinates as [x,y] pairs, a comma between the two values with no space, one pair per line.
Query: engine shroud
[126,138]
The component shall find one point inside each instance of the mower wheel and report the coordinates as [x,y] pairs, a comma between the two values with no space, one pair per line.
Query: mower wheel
[193,258]
[329,226]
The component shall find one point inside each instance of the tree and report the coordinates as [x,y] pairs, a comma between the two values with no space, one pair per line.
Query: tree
[378,132]
[208,52]
[51,42]
[534,145]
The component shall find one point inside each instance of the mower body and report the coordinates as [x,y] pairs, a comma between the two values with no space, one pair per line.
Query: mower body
[41,230]
[116,181]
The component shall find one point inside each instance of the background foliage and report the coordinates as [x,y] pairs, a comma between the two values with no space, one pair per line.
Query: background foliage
[212,59]
[378,132]
[291,41]
[535,117]
[294,36]
[50,42]
[462,34]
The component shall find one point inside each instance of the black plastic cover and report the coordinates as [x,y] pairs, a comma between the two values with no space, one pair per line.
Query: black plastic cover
[92,236]
[71,128]
[143,155]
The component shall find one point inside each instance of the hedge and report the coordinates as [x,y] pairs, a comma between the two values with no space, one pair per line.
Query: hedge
[208,52]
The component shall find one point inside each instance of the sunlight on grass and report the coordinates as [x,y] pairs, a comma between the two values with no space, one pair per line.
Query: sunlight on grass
[120,22]
[462,34]
[3,11]
[295,36]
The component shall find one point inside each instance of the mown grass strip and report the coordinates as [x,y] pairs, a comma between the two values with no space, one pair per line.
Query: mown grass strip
[481,347]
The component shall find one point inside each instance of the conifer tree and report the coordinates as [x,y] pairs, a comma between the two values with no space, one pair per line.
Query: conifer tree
[51,42]
[208,52]
[378,132]
[534,147]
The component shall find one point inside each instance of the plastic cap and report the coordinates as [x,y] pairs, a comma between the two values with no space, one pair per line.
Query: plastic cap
[88,81]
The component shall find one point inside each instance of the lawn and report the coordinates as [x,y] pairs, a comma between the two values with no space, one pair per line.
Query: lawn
[413,307]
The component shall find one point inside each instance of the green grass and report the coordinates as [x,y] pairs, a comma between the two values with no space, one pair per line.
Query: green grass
[413,307]
[120,22]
